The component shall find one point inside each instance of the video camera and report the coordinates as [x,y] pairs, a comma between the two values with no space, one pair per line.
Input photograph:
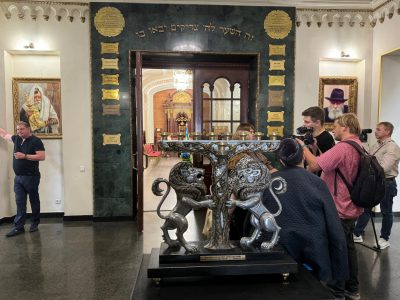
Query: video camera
[364,135]
[306,134]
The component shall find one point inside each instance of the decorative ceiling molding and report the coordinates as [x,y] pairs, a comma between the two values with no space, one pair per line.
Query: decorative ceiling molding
[309,12]
[341,17]
[46,10]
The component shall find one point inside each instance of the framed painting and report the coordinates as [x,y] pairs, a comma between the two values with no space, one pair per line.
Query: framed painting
[37,101]
[337,95]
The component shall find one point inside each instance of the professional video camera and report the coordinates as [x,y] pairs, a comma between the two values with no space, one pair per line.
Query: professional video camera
[306,134]
[364,135]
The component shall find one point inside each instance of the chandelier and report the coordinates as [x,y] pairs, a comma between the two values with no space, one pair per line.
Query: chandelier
[182,79]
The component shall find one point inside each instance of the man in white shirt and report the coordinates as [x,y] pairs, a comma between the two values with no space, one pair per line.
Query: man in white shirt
[388,154]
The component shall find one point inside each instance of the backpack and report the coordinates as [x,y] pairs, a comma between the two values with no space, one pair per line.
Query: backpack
[369,187]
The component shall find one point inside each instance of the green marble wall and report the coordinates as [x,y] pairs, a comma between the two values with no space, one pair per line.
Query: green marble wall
[169,28]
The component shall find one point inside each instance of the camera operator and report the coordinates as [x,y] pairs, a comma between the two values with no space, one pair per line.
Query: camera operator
[313,117]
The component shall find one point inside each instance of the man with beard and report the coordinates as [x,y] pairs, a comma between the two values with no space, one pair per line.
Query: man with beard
[336,107]
[39,112]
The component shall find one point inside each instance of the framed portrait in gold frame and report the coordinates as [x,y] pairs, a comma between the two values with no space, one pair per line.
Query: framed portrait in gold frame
[337,95]
[37,101]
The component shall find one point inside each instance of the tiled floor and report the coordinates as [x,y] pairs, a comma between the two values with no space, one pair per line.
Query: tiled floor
[85,260]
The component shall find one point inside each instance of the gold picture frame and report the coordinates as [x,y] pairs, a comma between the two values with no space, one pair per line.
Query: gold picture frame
[38,102]
[337,95]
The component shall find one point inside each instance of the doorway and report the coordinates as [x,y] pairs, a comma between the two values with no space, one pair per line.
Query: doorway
[154,80]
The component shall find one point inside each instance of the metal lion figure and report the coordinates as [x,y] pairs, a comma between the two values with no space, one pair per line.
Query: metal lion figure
[188,183]
[248,179]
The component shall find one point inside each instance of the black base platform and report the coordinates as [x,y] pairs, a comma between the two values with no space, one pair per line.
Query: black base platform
[299,286]
[236,261]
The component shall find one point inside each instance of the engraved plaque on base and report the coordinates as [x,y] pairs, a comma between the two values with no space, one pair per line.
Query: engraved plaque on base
[111,139]
[275,116]
[275,98]
[276,65]
[109,63]
[110,94]
[276,80]
[109,21]
[277,50]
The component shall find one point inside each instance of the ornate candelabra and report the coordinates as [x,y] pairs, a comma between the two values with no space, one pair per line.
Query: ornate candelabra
[219,153]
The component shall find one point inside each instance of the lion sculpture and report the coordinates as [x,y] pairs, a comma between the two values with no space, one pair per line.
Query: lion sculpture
[188,183]
[247,181]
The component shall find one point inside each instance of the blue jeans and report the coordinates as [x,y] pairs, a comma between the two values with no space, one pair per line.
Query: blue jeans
[386,206]
[24,186]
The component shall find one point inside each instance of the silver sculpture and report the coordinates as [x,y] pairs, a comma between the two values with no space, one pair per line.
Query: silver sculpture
[219,153]
[188,183]
[247,181]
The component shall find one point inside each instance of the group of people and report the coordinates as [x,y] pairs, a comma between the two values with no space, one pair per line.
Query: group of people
[319,220]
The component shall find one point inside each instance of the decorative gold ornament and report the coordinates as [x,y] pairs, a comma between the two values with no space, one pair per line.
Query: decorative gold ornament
[111,48]
[276,65]
[275,116]
[277,50]
[110,79]
[277,24]
[276,80]
[109,21]
[110,94]
[111,139]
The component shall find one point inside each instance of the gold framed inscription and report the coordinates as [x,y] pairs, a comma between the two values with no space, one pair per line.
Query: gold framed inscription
[109,48]
[111,139]
[276,65]
[275,116]
[276,80]
[275,131]
[277,24]
[109,63]
[275,98]
[110,94]
[109,21]
[277,50]
[110,79]
[111,110]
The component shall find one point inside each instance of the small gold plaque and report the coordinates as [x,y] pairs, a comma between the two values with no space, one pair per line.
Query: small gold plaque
[277,24]
[109,63]
[111,110]
[111,48]
[275,98]
[222,257]
[275,131]
[277,50]
[110,94]
[276,65]
[111,139]
[276,80]
[275,116]
[110,79]
[109,21]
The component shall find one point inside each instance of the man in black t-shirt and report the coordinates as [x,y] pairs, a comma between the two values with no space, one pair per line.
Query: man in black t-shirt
[313,117]
[28,151]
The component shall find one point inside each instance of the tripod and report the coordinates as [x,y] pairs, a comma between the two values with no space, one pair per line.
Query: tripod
[376,248]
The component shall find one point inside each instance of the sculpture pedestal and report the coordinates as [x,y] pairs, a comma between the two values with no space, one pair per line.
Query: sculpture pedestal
[166,263]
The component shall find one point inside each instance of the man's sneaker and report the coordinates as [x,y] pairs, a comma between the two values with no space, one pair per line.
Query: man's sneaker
[33,228]
[352,295]
[15,231]
[383,243]
[357,239]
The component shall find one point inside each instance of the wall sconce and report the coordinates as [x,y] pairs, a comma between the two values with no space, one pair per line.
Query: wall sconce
[344,54]
[29,46]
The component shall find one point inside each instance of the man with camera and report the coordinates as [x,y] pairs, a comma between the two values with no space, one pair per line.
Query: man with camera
[316,137]
[313,122]
[387,153]
[345,158]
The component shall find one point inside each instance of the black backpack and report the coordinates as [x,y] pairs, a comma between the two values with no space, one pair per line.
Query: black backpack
[369,187]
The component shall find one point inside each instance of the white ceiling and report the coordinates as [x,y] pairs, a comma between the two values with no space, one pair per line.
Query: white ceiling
[333,4]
